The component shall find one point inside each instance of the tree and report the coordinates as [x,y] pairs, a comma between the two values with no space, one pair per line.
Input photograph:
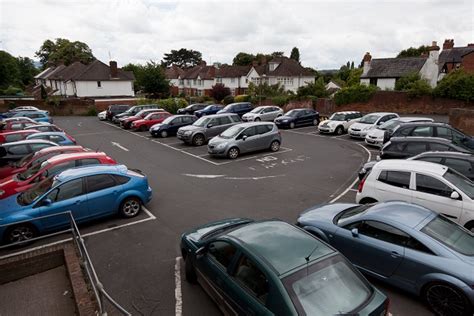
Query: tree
[183,58]
[243,59]
[137,70]
[295,54]
[64,51]
[413,52]
[278,54]
[456,85]
[219,91]
[316,89]
[9,71]
[27,70]
[153,80]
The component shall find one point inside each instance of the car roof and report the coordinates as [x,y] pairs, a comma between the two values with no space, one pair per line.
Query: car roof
[448,154]
[76,155]
[408,119]
[380,113]
[221,114]
[280,244]
[428,124]
[248,124]
[42,124]
[90,170]
[404,213]
[412,165]
[22,131]
[30,141]
[420,138]
[346,112]
[50,133]
[58,148]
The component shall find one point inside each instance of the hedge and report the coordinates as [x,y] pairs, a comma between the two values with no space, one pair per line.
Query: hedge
[356,93]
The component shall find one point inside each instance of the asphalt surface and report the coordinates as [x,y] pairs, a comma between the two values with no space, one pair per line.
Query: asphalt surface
[139,264]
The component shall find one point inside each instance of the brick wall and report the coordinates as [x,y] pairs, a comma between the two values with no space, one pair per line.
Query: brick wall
[462,119]
[468,62]
[102,105]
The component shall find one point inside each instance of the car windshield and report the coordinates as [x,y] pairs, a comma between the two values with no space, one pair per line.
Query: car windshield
[460,182]
[369,119]
[31,171]
[390,125]
[24,160]
[231,132]
[451,235]
[328,288]
[32,194]
[169,119]
[350,213]
[209,107]
[130,110]
[292,113]
[148,116]
[257,110]
[203,121]
[338,117]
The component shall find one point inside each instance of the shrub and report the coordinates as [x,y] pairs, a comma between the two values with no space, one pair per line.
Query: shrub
[172,105]
[419,88]
[242,98]
[317,89]
[228,100]
[219,91]
[11,90]
[280,100]
[91,111]
[356,93]
[456,85]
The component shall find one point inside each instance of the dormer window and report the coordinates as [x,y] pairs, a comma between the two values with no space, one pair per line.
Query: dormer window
[272,66]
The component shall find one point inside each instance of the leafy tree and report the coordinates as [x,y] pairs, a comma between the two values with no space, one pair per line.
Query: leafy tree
[406,81]
[295,54]
[64,51]
[354,76]
[137,70]
[414,85]
[266,90]
[219,91]
[413,52]
[277,54]
[356,93]
[243,59]
[183,58]
[27,70]
[456,85]
[9,71]
[153,80]
[316,89]
[352,65]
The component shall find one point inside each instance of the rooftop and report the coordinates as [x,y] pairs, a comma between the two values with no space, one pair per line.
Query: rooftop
[394,67]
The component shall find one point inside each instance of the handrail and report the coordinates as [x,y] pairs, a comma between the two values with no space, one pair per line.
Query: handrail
[99,292]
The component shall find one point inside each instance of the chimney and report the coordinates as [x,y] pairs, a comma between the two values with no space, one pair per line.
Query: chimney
[367,57]
[366,61]
[202,63]
[434,46]
[448,44]
[113,69]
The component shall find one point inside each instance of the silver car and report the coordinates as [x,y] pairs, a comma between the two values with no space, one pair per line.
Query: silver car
[263,113]
[207,127]
[244,138]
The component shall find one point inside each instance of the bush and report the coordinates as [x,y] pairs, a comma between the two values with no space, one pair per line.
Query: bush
[172,104]
[91,111]
[219,91]
[456,85]
[242,98]
[317,89]
[280,100]
[11,90]
[356,93]
[419,88]
[228,100]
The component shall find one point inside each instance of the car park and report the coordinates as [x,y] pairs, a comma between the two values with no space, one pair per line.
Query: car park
[405,245]
[16,124]
[190,109]
[245,138]
[88,193]
[339,122]
[297,118]
[45,127]
[239,108]
[369,122]
[102,116]
[149,120]
[15,136]
[37,116]
[376,136]
[431,185]
[133,111]
[208,110]
[60,138]
[263,113]
[126,122]
[14,151]
[207,127]
[273,268]
[115,109]
[171,125]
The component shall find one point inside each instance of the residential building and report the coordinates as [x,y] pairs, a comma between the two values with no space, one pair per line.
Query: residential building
[452,58]
[332,88]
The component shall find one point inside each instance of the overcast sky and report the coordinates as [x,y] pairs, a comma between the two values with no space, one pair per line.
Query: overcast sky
[327,33]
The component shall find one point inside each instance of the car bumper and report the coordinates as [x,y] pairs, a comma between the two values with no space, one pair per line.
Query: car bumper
[216,152]
[357,134]
[248,119]
[374,142]
[281,124]
[184,138]
[326,129]
[149,194]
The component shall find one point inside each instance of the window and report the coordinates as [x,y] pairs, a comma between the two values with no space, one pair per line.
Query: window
[462,166]
[67,191]
[431,159]
[16,126]
[235,118]
[430,185]
[373,81]
[444,132]
[13,138]
[438,147]
[18,150]
[262,129]
[383,232]
[181,81]
[252,278]
[60,167]
[222,252]
[218,80]
[194,82]
[121,179]
[224,120]
[249,132]
[399,179]
[56,138]
[414,244]
[232,80]
[99,182]
[36,147]
[214,122]
[415,148]
[404,131]
[425,131]
[99,84]
[88,161]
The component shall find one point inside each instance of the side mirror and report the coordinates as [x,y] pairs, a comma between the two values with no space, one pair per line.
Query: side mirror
[455,195]
[210,125]
[200,252]
[46,202]
[355,232]
[244,137]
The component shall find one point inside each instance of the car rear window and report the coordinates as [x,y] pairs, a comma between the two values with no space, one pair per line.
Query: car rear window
[262,129]
[399,179]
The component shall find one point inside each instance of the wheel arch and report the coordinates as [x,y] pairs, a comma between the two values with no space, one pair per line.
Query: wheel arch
[316,232]
[439,278]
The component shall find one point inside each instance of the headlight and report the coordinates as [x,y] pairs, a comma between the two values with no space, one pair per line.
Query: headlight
[285,121]
[187,133]
[220,146]
[367,128]
[2,192]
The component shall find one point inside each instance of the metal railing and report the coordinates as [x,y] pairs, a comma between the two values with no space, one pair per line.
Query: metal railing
[100,293]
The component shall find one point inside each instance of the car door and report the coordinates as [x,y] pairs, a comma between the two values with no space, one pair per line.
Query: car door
[413,149]
[248,139]
[422,131]
[214,127]
[102,193]
[175,124]
[264,138]
[224,123]
[393,185]
[435,194]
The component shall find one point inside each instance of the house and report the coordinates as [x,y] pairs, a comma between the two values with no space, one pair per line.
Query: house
[95,80]
[452,58]
[332,88]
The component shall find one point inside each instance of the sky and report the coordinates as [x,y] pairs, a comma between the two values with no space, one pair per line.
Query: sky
[327,33]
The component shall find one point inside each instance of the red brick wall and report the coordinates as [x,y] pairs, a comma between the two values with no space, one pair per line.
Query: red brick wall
[102,105]
[468,62]
[462,119]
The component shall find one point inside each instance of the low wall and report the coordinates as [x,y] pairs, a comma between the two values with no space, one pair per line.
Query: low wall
[462,119]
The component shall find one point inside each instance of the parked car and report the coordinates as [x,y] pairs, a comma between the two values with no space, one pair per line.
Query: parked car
[16,124]
[126,122]
[15,136]
[12,112]
[433,129]
[207,127]
[273,268]
[102,116]
[171,124]
[368,122]
[190,109]
[208,110]
[263,113]
[405,245]
[60,138]
[339,122]
[239,108]
[115,109]
[405,147]
[431,185]
[245,138]
[45,127]
[14,151]
[149,120]
[298,117]
[37,158]
[132,111]
[22,181]
[87,192]
[376,136]
[37,116]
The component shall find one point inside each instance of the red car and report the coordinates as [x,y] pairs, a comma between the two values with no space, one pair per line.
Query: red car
[16,124]
[15,136]
[22,181]
[127,122]
[150,120]
[37,157]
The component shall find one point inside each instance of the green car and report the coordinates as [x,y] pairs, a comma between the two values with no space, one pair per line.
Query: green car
[271,267]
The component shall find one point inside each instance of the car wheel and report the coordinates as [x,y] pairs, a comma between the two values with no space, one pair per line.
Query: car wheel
[339,130]
[470,226]
[444,299]
[315,122]
[164,134]
[130,207]
[143,128]
[292,125]
[233,153]
[19,233]
[368,201]
[275,146]
[189,270]
[198,140]
[257,119]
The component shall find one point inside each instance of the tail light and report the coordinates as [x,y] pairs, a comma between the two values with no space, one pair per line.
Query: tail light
[361,185]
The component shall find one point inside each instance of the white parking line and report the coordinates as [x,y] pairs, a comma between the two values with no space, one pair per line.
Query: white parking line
[177,290]
[119,146]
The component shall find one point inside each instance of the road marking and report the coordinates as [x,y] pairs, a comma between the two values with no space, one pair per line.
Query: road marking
[178,295]
[119,146]
[90,134]
[255,178]
[353,190]
[204,176]
[223,176]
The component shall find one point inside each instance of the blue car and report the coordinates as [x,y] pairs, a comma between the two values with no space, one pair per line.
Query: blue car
[38,116]
[60,138]
[209,110]
[406,245]
[88,192]
[239,108]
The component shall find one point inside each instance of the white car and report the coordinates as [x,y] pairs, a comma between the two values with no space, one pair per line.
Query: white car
[375,137]
[102,115]
[263,113]
[368,122]
[339,122]
[431,185]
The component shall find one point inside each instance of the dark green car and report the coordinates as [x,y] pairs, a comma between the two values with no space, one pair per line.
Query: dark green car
[271,267]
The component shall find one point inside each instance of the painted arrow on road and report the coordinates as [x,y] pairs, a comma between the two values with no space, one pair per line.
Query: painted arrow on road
[119,146]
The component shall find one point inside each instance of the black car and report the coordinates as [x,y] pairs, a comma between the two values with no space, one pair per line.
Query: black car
[115,109]
[433,129]
[133,111]
[239,108]
[298,117]
[14,151]
[190,109]
[171,125]
[405,147]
